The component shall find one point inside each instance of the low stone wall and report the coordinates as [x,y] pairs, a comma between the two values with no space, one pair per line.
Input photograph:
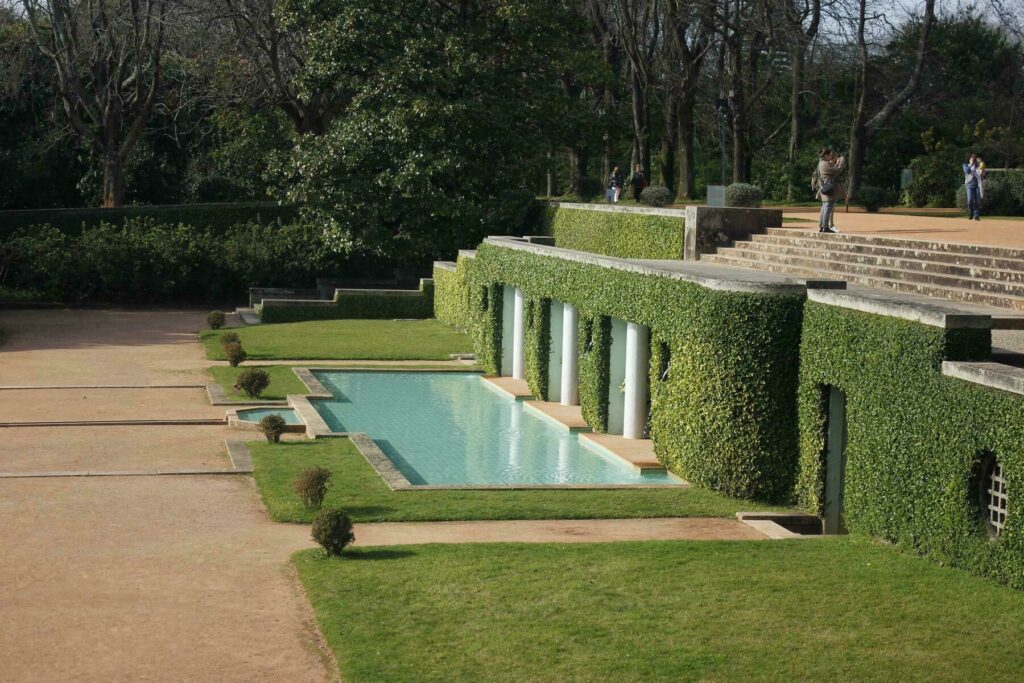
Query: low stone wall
[708,228]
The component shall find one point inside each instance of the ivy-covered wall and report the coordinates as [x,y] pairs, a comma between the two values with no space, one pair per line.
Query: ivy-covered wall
[451,294]
[915,437]
[612,233]
[373,304]
[725,416]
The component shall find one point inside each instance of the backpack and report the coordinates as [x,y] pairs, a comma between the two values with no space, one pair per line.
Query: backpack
[815,180]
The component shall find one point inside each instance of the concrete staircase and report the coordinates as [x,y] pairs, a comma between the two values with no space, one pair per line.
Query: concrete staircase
[973,274]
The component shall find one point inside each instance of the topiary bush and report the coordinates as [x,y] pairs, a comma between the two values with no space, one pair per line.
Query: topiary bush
[656,195]
[253,382]
[626,235]
[743,195]
[873,198]
[332,529]
[230,338]
[311,485]
[272,427]
[235,354]
[215,320]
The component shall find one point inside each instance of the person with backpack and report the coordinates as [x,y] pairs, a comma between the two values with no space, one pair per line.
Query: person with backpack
[615,184]
[973,174]
[638,181]
[825,183]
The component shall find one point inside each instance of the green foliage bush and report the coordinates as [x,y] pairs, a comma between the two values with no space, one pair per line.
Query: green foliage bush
[272,426]
[371,305]
[311,486]
[451,294]
[215,320]
[937,175]
[235,355]
[914,436]
[873,198]
[229,338]
[656,195]
[743,195]
[614,233]
[726,417]
[143,261]
[332,529]
[215,218]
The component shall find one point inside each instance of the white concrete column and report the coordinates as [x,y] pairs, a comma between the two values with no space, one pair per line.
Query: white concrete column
[637,371]
[518,337]
[569,395]
[555,352]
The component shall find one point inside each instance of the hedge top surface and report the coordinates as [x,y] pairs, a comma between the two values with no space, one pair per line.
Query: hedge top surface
[618,208]
[920,309]
[723,278]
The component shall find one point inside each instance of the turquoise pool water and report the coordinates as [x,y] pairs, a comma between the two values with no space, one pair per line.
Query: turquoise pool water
[257,414]
[449,428]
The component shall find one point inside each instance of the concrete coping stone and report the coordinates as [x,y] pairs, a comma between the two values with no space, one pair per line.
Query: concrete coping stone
[723,278]
[467,253]
[924,310]
[445,265]
[618,208]
[992,375]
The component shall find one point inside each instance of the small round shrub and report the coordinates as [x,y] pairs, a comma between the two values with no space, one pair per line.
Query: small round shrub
[998,199]
[235,354]
[743,195]
[332,529]
[311,485]
[215,320]
[873,198]
[273,427]
[252,382]
[230,338]
[656,195]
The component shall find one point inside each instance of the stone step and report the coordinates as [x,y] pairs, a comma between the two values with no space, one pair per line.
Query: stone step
[949,293]
[899,243]
[904,259]
[845,268]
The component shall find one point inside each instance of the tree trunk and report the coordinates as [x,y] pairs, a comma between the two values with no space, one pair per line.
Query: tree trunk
[113,181]
[740,167]
[855,157]
[579,161]
[687,184]
[641,151]
[669,142]
[796,116]
[550,176]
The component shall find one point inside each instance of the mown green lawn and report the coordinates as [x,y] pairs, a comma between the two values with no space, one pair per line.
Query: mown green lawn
[356,487]
[837,609]
[283,381]
[345,340]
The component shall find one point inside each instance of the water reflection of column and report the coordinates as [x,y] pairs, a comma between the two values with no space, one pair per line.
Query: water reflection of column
[518,337]
[515,436]
[562,476]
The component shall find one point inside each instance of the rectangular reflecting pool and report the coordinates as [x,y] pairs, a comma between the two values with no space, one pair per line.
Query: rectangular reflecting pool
[445,428]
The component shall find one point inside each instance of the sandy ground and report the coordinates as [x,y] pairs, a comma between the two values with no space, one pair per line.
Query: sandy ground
[35,449]
[135,578]
[70,347]
[990,231]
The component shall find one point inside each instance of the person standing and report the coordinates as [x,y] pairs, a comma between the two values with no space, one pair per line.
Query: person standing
[829,190]
[615,183]
[638,181]
[972,183]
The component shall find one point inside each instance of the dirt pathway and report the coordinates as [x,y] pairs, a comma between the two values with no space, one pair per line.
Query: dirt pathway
[135,578]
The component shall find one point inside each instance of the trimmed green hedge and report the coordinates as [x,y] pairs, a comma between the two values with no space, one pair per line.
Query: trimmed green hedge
[216,218]
[614,233]
[373,305]
[914,437]
[725,418]
[451,294]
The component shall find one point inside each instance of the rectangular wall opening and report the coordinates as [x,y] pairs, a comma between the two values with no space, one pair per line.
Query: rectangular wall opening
[835,460]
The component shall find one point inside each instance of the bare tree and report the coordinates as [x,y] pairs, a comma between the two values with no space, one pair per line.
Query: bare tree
[638,25]
[863,129]
[688,37]
[803,17]
[107,55]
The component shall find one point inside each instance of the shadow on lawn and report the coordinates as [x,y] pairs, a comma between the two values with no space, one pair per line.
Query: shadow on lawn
[378,554]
